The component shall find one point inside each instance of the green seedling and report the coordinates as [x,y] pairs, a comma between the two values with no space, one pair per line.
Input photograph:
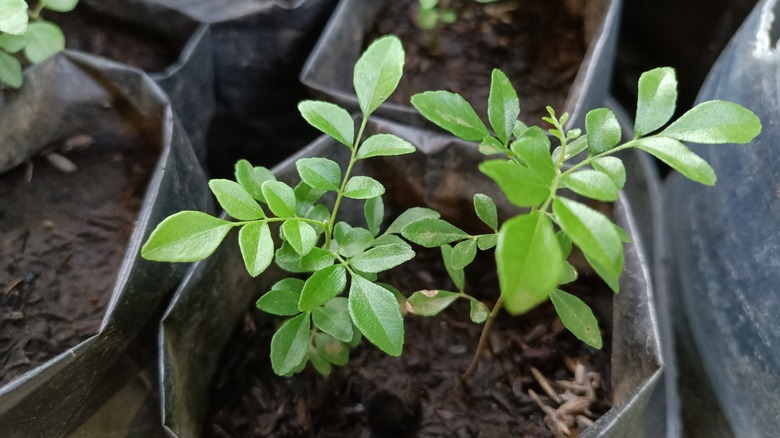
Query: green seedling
[26,37]
[431,13]
[327,257]
[532,248]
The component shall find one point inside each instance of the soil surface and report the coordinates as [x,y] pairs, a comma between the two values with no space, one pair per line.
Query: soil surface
[538,44]
[95,33]
[63,238]
[420,393]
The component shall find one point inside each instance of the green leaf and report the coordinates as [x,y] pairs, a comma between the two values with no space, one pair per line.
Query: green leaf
[317,212]
[491,146]
[577,317]
[186,236]
[533,148]
[374,211]
[322,286]
[656,100]
[452,113]
[521,186]
[624,237]
[330,119]
[486,242]
[300,235]
[12,43]
[252,178]
[431,232]
[428,4]
[381,258]
[592,232]
[572,149]
[13,16]
[60,5]
[503,105]
[565,243]
[306,194]
[569,274]
[591,184]
[340,231]
[378,72]
[413,214]
[319,173]
[463,253]
[281,300]
[613,168]
[376,314]
[529,262]
[10,70]
[486,210]
[355,241]
[333,318]
[478,312]
[430,302]
[280,198]
[318,362]
[257,247]
[331,349]
[457,275]
[387,239]
[290,344]
[603,130]
[379,145]
[235,200]
[680,158]
[427,18]
[715,121]
[289,260]
[44,39]
[363,187]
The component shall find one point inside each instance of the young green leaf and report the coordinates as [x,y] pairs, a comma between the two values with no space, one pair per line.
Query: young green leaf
[487,241]
[322,286]
[478,312]
[379,145]
[333,318]
[235,200]
[300,235]
[257,247]
[363,187]
[280,198]
[457,275]
[522,186]
[330,119]
[252,178]
[319,173]
[13,16]
[10,70]
[452,113]
[603,130]
[528,260]
[377,72]
[376,314]
[413,214]
[613,168]
[491,146]
[60,5]
[318,362]
[503,105]
[355,241]
[340,231]
[387,239]
[374,211]
[569,273]
[430,302]
[12,43]
[577,317]
[679,157]
[44,39]
[656,100]
[486,210]
[289,260]
[331,349]
[608,275]
[533,148]
[592,232]
[282,302]
[463,253]
[306,194]
[591,184]
[716,121]
[381,258]
[431,232]
[186,236]
[565,243]
[290,344]
[572,149]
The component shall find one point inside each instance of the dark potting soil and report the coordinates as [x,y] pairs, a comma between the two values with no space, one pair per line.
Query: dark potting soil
[63,238]
[538,44]
[98,34]
[420,393]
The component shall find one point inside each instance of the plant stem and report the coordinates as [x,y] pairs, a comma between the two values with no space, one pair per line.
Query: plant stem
[483,339]
[36,12]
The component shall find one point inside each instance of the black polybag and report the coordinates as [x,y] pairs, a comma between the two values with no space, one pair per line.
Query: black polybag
[328,71]
[724,242]
[442,175]
[70,94]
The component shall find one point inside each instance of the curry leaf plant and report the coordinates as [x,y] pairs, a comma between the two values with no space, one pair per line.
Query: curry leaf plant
[532,247]
[25,35]
[332,256]
[433,12]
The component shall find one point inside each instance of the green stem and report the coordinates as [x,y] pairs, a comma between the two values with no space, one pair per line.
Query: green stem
[36,12]
[483,340]
[281,219]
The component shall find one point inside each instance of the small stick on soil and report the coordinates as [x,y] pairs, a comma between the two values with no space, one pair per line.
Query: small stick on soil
[482,340]
[545,384]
